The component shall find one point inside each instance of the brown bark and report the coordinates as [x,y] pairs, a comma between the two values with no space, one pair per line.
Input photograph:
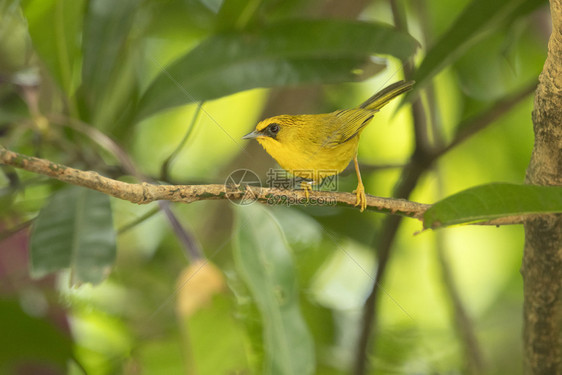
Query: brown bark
[542,259]
[145,193]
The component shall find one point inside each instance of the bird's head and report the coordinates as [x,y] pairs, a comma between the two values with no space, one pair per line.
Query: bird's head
[273,129]
[279,133]
[293,140]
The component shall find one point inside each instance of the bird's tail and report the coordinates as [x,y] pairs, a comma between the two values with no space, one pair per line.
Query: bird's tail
[384,96]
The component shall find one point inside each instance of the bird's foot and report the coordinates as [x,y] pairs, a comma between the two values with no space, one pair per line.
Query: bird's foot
[361,197]
[307,187]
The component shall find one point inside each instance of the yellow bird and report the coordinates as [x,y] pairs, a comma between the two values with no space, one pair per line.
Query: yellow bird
[317,146]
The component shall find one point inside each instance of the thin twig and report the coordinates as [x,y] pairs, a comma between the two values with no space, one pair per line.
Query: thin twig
[144,193]
[473,125]
[165,168]
[111,146]
[101,139]
[418,164]
[463,323]
[125,228]
[18,227]
[382,244]
[465,329]
[194,251]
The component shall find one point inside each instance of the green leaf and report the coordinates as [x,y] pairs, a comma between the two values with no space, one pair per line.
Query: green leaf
[27,339]
[237,14]
[14,39]
[74,229]
[264,260]
[492,201]
[55,27]
[285,53]
[107,72]
[479,16]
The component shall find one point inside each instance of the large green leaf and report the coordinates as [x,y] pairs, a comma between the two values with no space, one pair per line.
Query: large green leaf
[479,16]
[288,52]
[74,229]
[264,260]
[237,14]
[55,27]
[106,31]
[109,60]
[492,201]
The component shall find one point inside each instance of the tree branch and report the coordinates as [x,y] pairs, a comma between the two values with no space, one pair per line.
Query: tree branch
[144,193]
[542,258]
[184,236]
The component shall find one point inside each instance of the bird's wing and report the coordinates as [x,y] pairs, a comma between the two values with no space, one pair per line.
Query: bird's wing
[346,124]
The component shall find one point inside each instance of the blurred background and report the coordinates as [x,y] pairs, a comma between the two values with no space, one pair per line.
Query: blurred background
[163,90]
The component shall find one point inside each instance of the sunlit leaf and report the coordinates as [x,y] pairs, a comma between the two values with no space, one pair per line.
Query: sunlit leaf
[492,201]
[55,27]
[285,53]
[264,260]
[479,16]
[74,229]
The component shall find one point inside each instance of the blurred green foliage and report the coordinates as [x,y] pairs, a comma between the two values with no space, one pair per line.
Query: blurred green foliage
[291,281]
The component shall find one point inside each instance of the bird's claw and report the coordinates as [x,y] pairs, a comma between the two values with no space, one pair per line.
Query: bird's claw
[361,197]
[307,189]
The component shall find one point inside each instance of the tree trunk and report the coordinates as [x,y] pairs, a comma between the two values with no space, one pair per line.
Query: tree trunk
[542,259]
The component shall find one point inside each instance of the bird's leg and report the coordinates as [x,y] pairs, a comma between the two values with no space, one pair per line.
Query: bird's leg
[307,187]
[360,191]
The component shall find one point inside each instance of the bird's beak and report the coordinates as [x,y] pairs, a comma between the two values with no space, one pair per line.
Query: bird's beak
[253,135]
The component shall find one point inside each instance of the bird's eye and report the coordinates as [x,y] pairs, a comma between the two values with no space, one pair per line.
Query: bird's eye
[274,128]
